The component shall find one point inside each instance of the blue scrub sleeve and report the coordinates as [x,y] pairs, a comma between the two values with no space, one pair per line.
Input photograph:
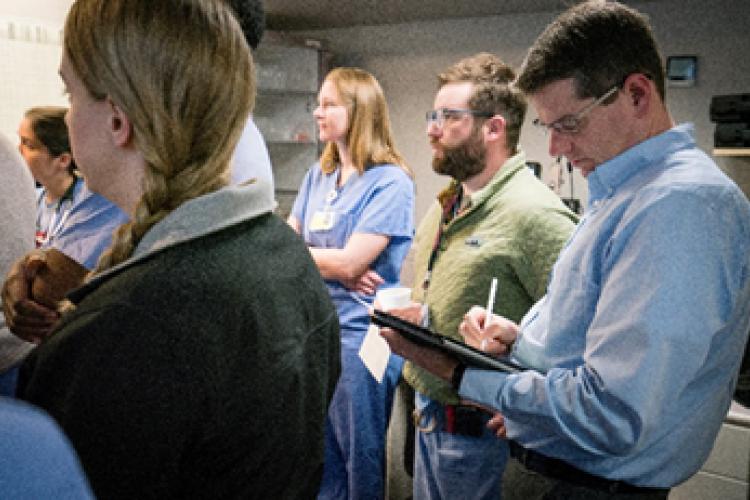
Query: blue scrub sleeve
[88,230]
[390,210]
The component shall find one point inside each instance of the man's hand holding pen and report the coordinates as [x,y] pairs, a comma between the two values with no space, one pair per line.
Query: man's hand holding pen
[495,336]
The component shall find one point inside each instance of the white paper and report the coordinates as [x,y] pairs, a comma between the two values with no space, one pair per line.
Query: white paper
[375,352]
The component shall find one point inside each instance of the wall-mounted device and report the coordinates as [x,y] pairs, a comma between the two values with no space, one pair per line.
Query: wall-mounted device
[682,71]
[731,113]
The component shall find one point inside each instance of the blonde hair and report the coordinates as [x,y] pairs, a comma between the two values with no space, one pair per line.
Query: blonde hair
[182,72]
[369,137]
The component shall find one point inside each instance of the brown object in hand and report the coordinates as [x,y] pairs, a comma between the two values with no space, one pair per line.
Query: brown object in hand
[55,278]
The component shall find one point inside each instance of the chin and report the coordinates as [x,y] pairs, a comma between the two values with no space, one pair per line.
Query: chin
[586,170]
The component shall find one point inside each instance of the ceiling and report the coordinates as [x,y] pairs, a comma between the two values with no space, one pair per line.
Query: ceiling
[307,14]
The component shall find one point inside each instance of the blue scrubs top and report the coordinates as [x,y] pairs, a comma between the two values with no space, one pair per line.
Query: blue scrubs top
[380,201]
[80,225]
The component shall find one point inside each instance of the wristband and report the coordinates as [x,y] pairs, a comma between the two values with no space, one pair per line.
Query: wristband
[458,375]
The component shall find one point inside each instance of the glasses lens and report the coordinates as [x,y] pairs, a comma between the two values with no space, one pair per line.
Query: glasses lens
[568,124]
[433,116]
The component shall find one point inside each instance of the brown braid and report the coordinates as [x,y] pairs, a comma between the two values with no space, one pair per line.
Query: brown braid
[182,72]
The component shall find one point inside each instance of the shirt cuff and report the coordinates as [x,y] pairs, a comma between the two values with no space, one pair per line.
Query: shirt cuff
[482,386]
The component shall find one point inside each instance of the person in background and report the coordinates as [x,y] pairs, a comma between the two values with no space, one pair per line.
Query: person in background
[72,223]
[17,230]
[493,220]
[199,359]
[70,217]
[36,460]
[632,354]
[355,212]
[251,160]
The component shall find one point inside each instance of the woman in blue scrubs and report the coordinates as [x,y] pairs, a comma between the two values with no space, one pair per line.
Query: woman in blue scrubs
[71,220]
[355,210]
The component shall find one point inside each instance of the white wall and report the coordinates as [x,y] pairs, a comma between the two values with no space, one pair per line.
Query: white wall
[30,49]
[406,57]
[53,11]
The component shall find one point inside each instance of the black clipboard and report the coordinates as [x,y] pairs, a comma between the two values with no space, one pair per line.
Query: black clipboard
[424,336]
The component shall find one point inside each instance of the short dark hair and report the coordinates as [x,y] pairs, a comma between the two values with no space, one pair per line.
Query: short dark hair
[596,43]
[493,92]
[252,19]
[48,125]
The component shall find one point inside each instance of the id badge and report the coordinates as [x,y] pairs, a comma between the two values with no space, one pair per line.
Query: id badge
[322,220]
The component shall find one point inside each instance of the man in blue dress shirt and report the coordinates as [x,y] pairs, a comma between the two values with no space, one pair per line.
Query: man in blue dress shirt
[633,352]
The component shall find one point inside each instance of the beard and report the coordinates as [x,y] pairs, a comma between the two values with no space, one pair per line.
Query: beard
[463,161]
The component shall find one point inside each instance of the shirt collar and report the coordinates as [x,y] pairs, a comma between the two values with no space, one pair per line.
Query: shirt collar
[193,219]
[613,173]
[506,171]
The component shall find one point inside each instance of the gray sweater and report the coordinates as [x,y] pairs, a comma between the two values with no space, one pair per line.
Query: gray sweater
[16,234]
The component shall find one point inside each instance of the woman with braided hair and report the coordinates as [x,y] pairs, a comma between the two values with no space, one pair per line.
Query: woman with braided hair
[184,369]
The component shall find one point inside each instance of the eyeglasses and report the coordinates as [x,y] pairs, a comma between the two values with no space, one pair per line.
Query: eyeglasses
[438,116]
[571,124]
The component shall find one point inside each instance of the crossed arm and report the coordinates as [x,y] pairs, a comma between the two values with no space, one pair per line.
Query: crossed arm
[350,265]
[32,289]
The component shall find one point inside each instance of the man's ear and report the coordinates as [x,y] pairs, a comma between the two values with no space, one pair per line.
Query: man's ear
[119,125]
[63,160]
[640,93]
[494,128]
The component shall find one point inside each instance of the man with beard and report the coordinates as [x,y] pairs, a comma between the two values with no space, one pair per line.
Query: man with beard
[494,219]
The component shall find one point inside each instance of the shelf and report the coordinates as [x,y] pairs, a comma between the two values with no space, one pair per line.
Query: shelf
[288,78]
[287,68]
[731,152]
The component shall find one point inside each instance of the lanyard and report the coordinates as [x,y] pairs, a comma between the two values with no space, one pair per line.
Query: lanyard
[54,225]
[450,210]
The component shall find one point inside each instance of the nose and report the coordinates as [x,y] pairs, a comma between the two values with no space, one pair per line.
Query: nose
[318,112]
[433,130]
[559,144]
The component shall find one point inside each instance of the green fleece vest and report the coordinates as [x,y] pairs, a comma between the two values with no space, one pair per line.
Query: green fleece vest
[513,230]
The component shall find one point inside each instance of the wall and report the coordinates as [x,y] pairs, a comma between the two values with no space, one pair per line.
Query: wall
[406,58]
[51,11]
[30,38]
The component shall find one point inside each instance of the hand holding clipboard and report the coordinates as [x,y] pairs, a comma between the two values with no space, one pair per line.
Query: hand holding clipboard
[457,350]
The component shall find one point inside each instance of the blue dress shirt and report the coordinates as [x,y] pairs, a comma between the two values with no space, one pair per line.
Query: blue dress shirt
[636,346]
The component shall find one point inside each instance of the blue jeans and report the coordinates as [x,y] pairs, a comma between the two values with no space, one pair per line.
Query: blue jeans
[449,466]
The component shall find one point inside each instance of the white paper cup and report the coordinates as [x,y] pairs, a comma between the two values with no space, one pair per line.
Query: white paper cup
[388,298]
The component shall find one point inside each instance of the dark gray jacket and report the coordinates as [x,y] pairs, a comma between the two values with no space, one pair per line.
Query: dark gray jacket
[203,366]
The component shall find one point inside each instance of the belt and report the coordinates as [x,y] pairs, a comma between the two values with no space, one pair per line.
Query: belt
[562,471]
[465,420]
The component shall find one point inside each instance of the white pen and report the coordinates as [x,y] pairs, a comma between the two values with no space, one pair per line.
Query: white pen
[490,304]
